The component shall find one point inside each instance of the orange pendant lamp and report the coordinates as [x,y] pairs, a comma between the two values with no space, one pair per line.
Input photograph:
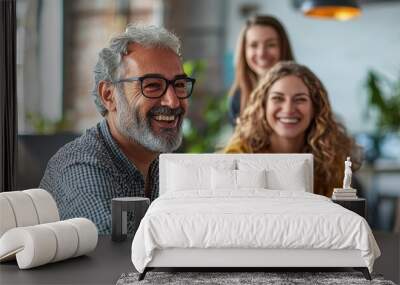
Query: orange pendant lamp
[341,10]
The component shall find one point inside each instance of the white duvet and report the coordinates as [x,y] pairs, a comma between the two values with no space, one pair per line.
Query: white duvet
[253,218]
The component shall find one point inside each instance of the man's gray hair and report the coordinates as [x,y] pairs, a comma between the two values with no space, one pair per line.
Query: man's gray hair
[110,58]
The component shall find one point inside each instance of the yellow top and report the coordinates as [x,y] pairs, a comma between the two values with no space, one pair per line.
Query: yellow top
[236,146]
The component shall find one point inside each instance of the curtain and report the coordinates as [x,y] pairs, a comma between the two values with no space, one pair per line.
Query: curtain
[8,95]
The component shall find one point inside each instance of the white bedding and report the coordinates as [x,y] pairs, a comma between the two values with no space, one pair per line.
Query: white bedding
[251,218]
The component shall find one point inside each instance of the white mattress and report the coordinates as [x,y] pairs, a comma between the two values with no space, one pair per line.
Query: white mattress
[252,218]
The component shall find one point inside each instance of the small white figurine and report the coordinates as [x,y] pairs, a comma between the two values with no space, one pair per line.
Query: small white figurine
[347,174]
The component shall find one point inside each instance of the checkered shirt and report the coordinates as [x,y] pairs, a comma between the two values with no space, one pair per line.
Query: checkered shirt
[85,174]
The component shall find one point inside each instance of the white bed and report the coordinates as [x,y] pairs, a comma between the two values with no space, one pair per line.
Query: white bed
[220,210]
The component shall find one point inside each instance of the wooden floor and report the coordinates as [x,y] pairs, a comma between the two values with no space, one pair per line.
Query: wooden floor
[389,262]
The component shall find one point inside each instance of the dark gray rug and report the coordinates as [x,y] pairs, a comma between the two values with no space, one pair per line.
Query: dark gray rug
[229,278]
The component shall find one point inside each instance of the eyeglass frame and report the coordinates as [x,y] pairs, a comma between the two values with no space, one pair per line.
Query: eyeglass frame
[157,76]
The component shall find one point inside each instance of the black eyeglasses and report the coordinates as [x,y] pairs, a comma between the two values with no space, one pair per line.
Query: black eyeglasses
[154,86]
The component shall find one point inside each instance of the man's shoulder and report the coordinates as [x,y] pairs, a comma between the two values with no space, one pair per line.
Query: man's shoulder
[88,148]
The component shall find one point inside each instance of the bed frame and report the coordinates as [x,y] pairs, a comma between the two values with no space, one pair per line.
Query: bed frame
[237,259]
[249,259]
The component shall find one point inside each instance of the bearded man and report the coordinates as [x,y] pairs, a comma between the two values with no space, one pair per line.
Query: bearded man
[142,92]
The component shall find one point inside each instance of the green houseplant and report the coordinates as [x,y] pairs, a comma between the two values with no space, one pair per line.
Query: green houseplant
[202,130]
[42,125]
[384,99]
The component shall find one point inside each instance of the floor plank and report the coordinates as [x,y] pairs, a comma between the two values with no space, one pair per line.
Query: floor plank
[388,263]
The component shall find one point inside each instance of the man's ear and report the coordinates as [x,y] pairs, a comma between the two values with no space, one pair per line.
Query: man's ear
[107,93]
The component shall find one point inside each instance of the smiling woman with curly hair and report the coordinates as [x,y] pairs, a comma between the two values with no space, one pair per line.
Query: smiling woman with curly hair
[289,112]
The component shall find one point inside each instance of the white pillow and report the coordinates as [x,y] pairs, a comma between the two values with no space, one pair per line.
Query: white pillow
[184,175]
[251,178]
[281,175]
[237,179]
[223,179]
[293,179]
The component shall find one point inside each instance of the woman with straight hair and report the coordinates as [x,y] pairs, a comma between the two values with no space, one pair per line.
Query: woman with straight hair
[262,42]
[289,112]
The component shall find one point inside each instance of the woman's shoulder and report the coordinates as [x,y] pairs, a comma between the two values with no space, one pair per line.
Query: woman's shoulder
[237,146]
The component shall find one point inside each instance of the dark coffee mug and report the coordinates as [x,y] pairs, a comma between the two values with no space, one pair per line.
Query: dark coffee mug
[119,215]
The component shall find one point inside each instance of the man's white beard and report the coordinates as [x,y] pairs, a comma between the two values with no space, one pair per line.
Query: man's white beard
[137,129]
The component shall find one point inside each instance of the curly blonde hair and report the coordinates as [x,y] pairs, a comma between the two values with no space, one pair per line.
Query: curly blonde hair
[325,138]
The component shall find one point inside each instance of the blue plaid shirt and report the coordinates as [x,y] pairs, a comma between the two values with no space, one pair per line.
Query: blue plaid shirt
[85,174]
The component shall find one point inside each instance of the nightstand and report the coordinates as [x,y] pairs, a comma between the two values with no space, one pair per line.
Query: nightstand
[358,205]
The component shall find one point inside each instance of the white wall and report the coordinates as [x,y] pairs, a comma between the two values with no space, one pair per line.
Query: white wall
[51,59]
[340,53]
[39,61]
